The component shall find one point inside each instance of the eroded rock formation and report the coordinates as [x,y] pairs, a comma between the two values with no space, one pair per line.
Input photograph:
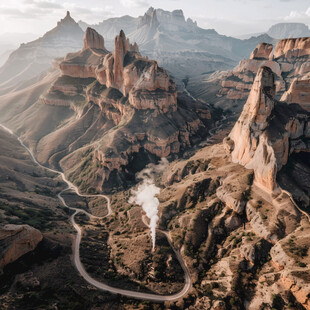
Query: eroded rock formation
[267,131]
[139,108]
[92,39]
[230,227]
[289,48]
[262,51]
[299,92]
[289,61]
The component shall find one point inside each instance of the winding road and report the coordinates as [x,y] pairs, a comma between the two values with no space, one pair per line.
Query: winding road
[76,253]
[295,204]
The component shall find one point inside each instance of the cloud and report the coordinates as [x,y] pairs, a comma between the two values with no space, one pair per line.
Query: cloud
[43,4]
[301,16]
[43,9]
[134,3]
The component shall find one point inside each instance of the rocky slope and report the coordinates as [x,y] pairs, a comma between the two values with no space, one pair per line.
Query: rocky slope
[268,131]
[289,61]
[37,275]
[242,237]
[34,58]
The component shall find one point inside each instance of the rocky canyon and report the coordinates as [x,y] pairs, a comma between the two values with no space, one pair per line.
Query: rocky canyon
[93,116]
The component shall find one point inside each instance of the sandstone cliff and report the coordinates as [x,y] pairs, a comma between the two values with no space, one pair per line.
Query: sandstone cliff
[135,108]
[93,40]
[289,61]
[244,239]
[262,51]
[289,48]
[267,131]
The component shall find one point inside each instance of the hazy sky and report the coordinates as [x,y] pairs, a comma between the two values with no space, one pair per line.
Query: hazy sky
[230,17]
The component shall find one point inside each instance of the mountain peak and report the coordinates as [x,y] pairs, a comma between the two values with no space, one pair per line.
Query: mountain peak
[67,20]
[66,28]
[150,10]
[289,30]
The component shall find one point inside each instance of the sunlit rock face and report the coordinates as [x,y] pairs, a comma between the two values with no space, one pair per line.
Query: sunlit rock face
[93,40]
[140,109]
[292,48]
[267,130]
[299,92]
[262,51]
[289,62]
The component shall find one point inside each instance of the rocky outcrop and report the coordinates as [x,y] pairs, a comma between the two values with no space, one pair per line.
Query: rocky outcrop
[92,39]
[299,92]
[262,51]
[17,240]
[139,108]
[290,48]
[266,131]
[289,62]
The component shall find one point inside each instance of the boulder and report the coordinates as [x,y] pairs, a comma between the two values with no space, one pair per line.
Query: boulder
[17,240]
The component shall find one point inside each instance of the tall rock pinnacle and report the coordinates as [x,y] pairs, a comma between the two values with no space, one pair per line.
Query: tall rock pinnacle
[267,131]
[120,49]
[248,142]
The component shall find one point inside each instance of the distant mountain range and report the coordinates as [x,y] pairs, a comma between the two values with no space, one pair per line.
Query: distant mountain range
[33,58]
[283,31]
[178,44]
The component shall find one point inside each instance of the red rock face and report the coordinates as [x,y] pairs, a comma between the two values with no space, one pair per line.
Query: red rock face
[292,48]
[19,240]
[289,61]
[266,131]
[299,92]
[262,51]
[120,50]
[92,39]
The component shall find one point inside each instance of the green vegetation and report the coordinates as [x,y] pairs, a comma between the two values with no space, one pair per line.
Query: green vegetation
[37,218]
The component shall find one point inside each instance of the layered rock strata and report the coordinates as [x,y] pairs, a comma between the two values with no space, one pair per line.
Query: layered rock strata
[262,51]
[289,61]
[139,109]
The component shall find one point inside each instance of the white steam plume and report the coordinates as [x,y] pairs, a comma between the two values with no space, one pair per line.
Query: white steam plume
[145,195]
